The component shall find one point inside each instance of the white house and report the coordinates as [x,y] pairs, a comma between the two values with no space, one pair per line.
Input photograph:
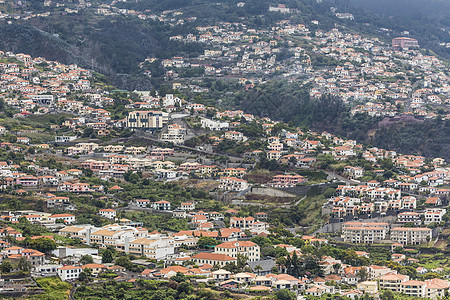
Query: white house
[107,213]
[67,218]
[69,273]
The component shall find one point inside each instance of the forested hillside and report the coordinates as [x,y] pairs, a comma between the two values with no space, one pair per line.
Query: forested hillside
[289,103]
[426,20]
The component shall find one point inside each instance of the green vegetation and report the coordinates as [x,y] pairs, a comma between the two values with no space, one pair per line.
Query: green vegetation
[145,289]
[430,138]
[54,288]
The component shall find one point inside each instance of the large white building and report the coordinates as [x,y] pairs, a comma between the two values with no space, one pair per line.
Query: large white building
[232,184]
[69,273]
[155,248]
[368,233]
[145,119]
[245,248]
[411,236]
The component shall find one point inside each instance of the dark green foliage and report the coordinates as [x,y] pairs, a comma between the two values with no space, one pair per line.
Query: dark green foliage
[206,242]
[86,259]
[5,266]
[285,295]
[307,265]
[142,289]
[424,19]
[430,138]
[43,244]
[107,256]
[288,102]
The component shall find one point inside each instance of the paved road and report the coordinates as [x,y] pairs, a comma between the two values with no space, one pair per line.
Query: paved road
[298,202]
[346,180]
[146,136]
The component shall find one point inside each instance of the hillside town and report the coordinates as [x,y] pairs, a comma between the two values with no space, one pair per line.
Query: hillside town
[175,188]
[105,191]
[378,77]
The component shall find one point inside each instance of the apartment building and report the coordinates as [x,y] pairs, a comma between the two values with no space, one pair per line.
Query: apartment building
[81,148]
[77,231]
[433,215]
[359,232]
[235,136]
[375,271]
[393,282]
[114,235]
[364,234]
[410,236]
[404,43]
[233,184]
[246,248]
[414,288]
[274,155]
[281,181]
[145,120]
[409,217]
[234,172]
[155,248]
[436,288]
[243,223]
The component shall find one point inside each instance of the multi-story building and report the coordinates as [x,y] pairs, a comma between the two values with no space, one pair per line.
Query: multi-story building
[155,248]
[234,172]
[414,288]
[187,206]
[409,217]
[404,43]
[107,213]
[243,223]
[286,180]
[67,218]
[145,119]
[358,232]
[410,236]
[161,205]
[232,184]
[436,288]
[273,155]
[375,271]
[393,281]
[433,215]
[213,259]
[114,235]
[69,273]
[235,136]
[245,248]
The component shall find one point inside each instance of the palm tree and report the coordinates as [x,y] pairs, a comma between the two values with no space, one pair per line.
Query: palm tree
[257,268]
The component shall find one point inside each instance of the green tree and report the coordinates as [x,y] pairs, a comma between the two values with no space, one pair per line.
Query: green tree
[124,261]
[23,264]
[285,295]
[362,274]
[86,275]
[205,241]
[107,256]
[6,266]
[86,259]
[185,287]
[387,295]
[179,277]
[43,244]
